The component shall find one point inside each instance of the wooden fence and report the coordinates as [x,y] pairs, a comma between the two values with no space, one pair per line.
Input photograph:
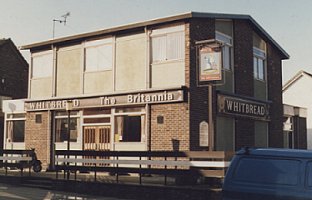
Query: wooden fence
[167,163]
[19,159]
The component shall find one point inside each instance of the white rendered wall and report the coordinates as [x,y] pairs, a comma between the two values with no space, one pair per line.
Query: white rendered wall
[300,94]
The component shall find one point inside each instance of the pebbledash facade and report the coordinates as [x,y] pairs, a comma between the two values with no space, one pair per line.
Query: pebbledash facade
[136,87]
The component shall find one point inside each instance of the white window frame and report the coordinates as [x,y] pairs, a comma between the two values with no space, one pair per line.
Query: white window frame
[259,56]
[167,54]
[97,45]
[141,113]
[12,118]
[228,45]
[72,116]
[46,63]
[2,98]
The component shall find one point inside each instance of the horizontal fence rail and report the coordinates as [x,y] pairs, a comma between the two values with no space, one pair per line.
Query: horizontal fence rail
[19,159]
[167,163]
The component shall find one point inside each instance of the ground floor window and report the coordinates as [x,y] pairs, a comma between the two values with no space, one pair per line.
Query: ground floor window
[61,126]
[288,136]
[225,134]
[261,134]
[15,127]
[129,125]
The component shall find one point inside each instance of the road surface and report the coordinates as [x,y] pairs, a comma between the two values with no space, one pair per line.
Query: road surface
[13,192]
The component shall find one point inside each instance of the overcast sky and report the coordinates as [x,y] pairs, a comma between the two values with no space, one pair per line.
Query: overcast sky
[289,22]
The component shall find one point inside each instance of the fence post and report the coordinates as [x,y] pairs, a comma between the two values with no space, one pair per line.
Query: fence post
[140,174]
[165,171]
[95,171]
[64,170]
[76,168]
[117,171]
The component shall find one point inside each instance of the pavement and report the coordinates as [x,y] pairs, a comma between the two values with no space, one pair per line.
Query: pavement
[13,192]
[52,185]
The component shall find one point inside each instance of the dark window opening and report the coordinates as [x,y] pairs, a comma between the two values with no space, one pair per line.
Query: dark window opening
[132,129]
[18,134]
[38,119]
[128,129]
[61,130]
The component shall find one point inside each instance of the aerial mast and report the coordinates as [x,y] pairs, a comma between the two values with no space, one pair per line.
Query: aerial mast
[60,21]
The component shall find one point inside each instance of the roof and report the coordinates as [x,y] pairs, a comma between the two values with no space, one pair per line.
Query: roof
[276,152]
[3,41]
[9,42]
[294,79]
[158,21]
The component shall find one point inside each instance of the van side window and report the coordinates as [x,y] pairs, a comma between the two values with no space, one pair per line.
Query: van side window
[267,171]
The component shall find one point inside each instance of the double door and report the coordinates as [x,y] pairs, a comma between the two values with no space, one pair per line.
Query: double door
[96,138]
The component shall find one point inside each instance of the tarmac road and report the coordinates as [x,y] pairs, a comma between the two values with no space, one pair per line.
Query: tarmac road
[13,192]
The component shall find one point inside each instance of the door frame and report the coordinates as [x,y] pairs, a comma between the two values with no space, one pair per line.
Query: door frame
[97,127]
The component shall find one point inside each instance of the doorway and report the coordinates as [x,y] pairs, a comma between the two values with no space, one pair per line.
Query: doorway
[96,138]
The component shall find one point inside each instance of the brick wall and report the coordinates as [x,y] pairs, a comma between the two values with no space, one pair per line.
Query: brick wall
[243,73]
[243,58]
[173,133]
[14,72]
[245,134]
[199,29]
[37,135]
[1,131]
[13,76]
[302,133]
[274,68]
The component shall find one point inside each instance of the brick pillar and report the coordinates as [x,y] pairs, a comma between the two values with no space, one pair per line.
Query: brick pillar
[173,132]
[300,132]
[1,131]
[243,73]
[37,135]
[199,29]
[274,68]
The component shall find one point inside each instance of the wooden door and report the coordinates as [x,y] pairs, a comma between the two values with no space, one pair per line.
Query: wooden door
[96,138]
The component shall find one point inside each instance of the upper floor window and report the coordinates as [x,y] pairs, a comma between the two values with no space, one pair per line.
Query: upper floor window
[259,57]
[98,55]
[259,63]
[42,64]
[224,34]
[226,50]
[168,44]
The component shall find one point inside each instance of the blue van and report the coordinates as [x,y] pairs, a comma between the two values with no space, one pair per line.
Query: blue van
[269,174]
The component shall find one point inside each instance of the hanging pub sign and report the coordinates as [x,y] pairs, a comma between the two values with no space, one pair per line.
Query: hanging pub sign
[210,63]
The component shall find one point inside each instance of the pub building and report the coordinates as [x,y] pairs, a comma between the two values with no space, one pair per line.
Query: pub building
[194,81]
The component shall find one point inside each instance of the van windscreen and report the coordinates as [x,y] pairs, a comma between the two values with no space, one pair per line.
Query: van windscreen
[267,171]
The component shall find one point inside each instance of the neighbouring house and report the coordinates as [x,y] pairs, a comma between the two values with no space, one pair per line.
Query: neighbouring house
[295,127]
[297,92]
[194,81]
[13,85]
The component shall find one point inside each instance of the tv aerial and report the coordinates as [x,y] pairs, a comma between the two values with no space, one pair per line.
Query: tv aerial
[64,20]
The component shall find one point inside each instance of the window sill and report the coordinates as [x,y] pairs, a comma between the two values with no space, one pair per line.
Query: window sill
[92,72]
[167,62]
[123,142]
[40,78]
[260,80]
